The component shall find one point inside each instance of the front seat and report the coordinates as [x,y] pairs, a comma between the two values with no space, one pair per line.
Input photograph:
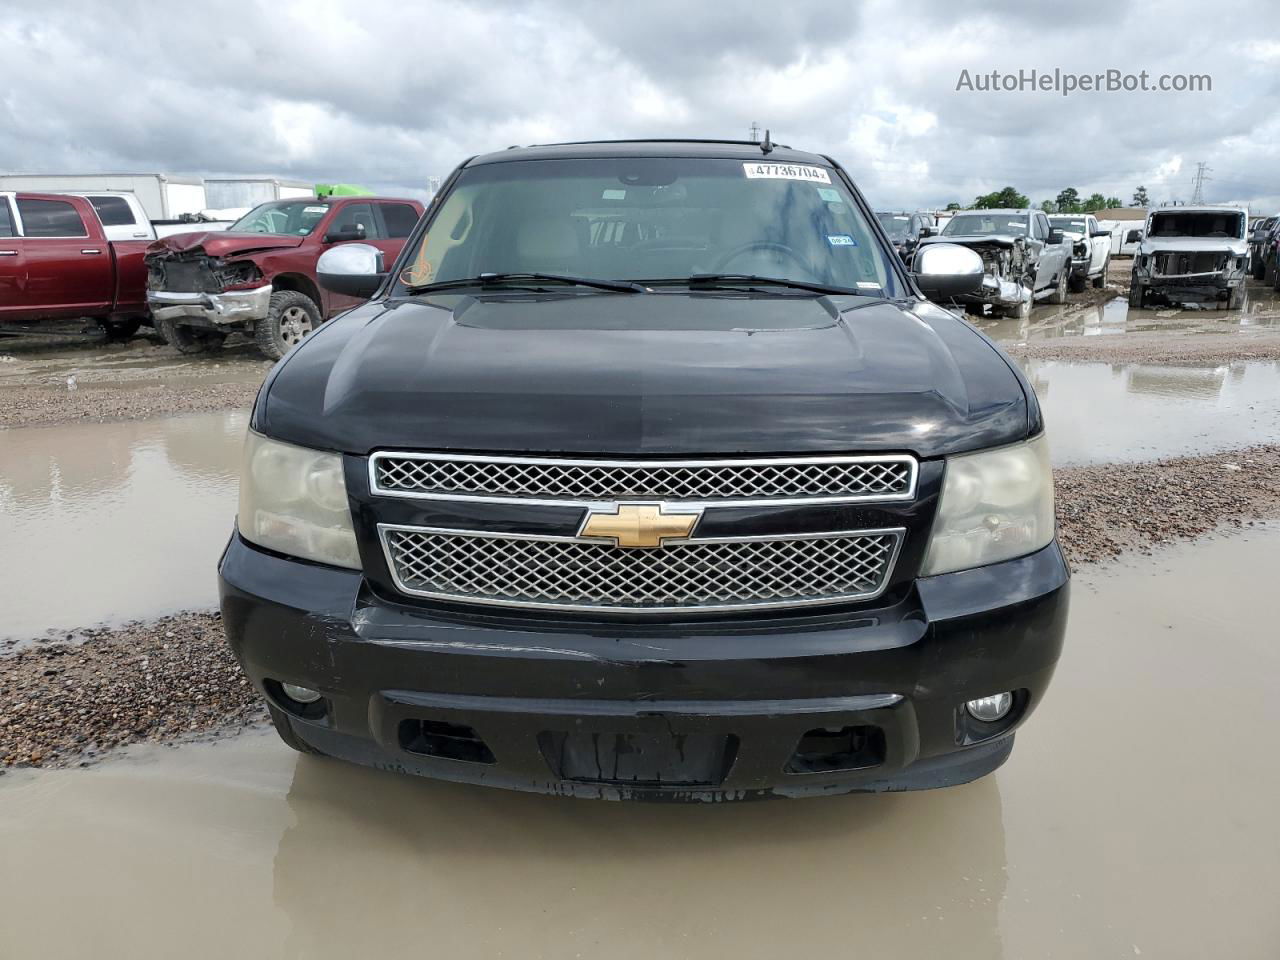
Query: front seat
[548,245]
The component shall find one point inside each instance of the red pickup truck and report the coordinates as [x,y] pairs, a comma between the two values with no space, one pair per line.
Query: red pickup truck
[259,275]
[56,263]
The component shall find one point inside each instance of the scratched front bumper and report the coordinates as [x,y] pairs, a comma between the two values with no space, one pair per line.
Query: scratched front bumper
[735,700]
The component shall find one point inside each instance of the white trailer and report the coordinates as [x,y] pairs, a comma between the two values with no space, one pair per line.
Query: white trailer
[244,193]
[163,196]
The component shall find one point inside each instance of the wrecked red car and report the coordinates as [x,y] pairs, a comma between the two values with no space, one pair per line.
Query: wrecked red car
[259,276]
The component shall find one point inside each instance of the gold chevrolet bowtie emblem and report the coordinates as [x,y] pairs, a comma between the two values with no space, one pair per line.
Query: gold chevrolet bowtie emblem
[639,525]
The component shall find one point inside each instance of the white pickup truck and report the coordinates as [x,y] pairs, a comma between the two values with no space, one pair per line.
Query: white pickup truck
[1090,248]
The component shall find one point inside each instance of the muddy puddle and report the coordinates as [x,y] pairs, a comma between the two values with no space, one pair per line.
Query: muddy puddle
[107,522]
[1124,412]
[1135,818]
[141,362]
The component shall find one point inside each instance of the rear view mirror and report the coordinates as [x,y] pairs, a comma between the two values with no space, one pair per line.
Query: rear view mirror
[946,270]
[352,270]
[351,231]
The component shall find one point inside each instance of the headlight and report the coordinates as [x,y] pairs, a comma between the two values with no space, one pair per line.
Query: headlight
[995,505]
[294,500]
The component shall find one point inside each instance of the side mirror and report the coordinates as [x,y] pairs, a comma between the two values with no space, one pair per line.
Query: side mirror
[345,233]
[352,270]
[1133,236]
[1055,236]
[946,270]
[926,232]
[1100,233]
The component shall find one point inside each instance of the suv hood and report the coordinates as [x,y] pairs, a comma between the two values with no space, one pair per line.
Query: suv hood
[648,374]
[220,244]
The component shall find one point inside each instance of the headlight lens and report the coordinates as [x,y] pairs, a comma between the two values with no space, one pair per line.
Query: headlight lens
[294,500]
[995,505]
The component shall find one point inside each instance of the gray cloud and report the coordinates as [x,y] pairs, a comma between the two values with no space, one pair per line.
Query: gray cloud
[389,94]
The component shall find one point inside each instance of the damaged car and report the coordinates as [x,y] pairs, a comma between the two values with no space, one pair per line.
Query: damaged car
[259,276]
[1192,253]
[1024,259]
[1090,249]
[906,230]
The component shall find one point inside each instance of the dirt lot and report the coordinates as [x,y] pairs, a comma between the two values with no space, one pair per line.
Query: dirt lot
[1165,426]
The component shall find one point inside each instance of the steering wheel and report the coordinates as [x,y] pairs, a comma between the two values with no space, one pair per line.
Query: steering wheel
[751,245]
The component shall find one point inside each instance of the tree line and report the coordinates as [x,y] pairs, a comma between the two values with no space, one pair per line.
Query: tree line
[1067,201]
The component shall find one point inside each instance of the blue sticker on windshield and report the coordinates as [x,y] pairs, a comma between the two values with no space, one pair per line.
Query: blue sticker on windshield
[842,240]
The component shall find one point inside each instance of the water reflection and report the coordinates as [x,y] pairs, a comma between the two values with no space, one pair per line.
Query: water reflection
[1108,413]
[114,521]
[493,874]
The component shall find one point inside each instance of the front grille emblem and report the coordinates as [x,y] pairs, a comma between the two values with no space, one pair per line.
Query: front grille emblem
[644,525]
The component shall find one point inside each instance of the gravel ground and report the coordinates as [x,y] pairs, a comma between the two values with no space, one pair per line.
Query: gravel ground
[67,700]
[41,406]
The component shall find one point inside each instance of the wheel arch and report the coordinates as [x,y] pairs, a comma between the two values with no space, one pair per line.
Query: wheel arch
[302,284]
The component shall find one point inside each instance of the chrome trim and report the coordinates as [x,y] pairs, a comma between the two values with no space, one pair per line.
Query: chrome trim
[898,534]
[377,490]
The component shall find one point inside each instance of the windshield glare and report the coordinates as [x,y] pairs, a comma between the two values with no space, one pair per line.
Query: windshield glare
[1070,224]
[292,218]
[651,219]
[986,224]
[896,225]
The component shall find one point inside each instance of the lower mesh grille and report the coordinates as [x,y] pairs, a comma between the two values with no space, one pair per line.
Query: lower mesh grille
[710,574]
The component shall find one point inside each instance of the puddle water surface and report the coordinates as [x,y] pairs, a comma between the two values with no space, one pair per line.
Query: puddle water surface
[106,522]
[1136,817]
[1111,413]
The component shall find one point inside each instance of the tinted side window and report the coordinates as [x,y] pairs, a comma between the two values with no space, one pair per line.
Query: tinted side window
[400,219]
[356,214]
[6,218]
[50,218]
[113,211]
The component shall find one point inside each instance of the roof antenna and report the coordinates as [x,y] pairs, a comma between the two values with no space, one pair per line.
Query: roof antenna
[767,146]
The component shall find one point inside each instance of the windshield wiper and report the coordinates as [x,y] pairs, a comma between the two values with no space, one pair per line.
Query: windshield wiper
[493,279]
[713,280]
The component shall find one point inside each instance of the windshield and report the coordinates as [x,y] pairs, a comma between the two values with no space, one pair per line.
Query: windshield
[896,225]
[986,224]
[292,218]
[650,219]
[1070,224]
[1222,224]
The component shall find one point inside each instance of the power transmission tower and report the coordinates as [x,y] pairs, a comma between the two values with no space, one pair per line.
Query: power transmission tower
[755,132]
[1202,171]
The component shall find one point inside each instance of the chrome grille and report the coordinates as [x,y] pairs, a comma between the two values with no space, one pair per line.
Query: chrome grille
[564,573]
[445,476]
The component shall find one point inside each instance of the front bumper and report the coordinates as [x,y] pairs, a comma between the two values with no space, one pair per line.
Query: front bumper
[996,291]
[211,309]
[867,700]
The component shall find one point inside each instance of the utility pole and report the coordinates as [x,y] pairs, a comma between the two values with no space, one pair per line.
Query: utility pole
[755,132]
[1202,171]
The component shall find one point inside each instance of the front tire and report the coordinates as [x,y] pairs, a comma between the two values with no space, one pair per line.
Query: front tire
[1059,294]
[1135,295]
[189,340]
[291,317]
[1100,280]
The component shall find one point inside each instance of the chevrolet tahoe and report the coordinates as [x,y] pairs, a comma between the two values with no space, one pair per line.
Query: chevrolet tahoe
[648,471]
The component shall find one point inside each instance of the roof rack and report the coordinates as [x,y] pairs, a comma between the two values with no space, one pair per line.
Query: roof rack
[583,143]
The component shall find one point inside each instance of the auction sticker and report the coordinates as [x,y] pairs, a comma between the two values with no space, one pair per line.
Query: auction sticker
[785,171]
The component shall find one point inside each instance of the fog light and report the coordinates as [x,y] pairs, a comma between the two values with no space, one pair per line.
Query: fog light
[988,709]
[307,695]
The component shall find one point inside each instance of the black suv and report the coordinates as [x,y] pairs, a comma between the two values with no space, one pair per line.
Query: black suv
[649,471]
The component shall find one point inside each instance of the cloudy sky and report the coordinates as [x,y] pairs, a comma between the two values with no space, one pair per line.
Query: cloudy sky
[390,93]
